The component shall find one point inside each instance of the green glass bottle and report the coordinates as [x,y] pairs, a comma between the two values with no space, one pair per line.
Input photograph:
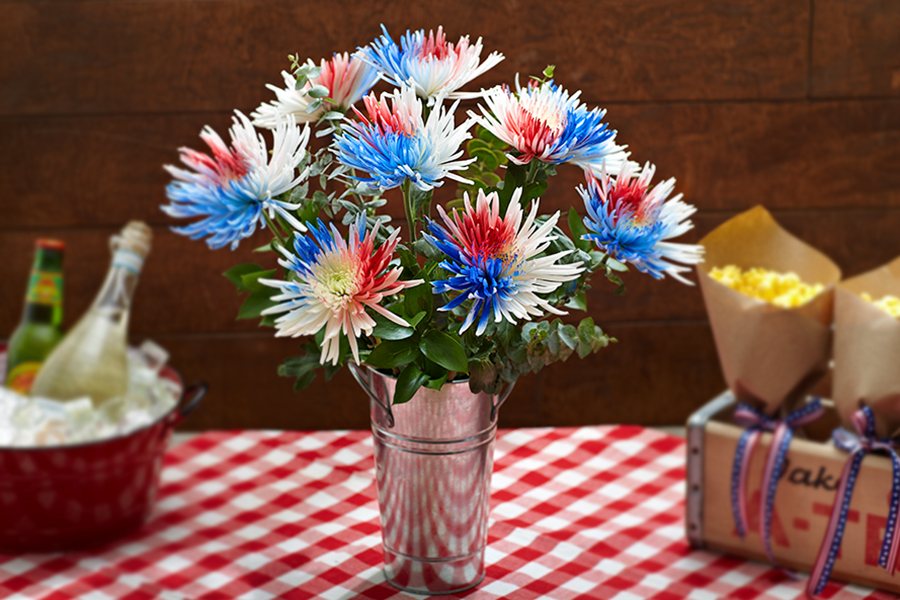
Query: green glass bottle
[39,330]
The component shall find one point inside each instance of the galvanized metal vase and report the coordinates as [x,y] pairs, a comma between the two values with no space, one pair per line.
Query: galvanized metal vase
[433,461]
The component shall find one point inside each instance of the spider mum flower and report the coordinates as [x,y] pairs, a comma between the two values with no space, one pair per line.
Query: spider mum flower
[429,63]
[631,222]
[336,280]
[544,122]
[347,78]
[495,261]
[230,189]
[395,144]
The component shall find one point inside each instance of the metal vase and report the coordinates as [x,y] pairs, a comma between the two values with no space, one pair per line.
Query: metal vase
[433,461]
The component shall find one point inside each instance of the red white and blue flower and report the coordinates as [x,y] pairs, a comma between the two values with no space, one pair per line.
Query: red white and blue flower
[230,189]
[347,79]
[334,282]
[495,261]
[543,121]
[429,63]
[395,144]
[632,222]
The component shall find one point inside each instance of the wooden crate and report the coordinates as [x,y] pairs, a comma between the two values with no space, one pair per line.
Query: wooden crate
[803,501]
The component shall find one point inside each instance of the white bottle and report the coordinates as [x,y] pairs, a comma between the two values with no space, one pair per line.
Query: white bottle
[92,359]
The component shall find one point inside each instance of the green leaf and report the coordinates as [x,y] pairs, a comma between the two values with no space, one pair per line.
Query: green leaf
[548,72]
[413,321]
[578,301]
[534,190]
[334,115]
[417,299]
[408,383]
[304,380]
[234,274]
[251,281]
[437,384]
[388,330]
[394,353]
[483,376]
[256,303]
[576,226]
[314,106]
[445,350]
[616,265]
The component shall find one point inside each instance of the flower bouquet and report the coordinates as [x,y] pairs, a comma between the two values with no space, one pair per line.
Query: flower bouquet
[437,316]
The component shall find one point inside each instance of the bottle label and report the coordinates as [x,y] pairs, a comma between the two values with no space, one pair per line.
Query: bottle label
[128,260]
[21,378]
[45,288]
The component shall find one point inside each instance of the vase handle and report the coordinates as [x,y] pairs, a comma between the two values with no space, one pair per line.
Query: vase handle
[364,379]
[501,399]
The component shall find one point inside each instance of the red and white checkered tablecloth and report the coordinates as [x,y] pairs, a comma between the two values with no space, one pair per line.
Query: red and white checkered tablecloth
[593,512]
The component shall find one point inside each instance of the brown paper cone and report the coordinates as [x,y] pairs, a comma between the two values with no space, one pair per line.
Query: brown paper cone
[867,349]
[770,356]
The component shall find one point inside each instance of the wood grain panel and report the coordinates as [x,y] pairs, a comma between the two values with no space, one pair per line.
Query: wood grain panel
[89,171]
[856,48]
[182,290]
[97,57]
[733,156]
[657,373]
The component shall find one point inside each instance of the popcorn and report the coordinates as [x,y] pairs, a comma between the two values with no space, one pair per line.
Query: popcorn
[781,289]
[889,304]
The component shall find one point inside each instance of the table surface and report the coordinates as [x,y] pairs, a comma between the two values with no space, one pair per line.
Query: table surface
[576,513]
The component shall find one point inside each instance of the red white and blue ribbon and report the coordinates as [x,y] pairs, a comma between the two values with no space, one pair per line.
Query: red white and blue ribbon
[858,446]
[756,423]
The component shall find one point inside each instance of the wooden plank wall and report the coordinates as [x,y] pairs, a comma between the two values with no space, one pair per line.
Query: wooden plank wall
[794,104]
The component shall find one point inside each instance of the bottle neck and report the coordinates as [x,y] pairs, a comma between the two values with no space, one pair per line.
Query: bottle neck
[115,296]
[43,301]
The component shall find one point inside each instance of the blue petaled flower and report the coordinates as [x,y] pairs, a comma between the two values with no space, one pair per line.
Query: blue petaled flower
[395,144]
[428,63]
[495,261]
[231,189]
[542,121]
[632,222]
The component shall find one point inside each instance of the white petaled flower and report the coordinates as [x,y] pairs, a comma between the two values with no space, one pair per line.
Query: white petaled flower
[395,144]
[494,261]
[347,79]
[429,63]
[230,189]
[335,281]
[632,222]
[544,122]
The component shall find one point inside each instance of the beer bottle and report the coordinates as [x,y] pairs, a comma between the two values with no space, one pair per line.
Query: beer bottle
[39,330]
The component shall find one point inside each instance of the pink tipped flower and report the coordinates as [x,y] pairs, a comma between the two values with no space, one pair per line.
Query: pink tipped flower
[335,281]
[429,63]
[544,122]
[347,79]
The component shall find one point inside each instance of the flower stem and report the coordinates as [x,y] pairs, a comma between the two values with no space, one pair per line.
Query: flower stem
[274,229]
[533,167]
[408,209]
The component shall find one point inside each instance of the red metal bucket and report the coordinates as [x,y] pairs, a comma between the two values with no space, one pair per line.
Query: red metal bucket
[79,495]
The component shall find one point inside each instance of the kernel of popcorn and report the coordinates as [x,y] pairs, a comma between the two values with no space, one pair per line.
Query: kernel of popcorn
[781,289]
[889,304]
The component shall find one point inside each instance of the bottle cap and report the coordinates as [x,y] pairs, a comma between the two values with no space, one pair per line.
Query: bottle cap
[49,244]
[135,237]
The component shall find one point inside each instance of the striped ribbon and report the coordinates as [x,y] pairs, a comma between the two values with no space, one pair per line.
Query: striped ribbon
[858,446]
[755,423]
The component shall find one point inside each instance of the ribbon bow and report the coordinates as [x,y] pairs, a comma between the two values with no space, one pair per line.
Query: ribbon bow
[755,423]
[858,446]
